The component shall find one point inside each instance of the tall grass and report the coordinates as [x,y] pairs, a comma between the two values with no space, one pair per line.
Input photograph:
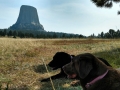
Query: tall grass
[22,67]
[49,75]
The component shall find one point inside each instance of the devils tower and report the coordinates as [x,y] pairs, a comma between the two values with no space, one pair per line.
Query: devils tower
[27,19]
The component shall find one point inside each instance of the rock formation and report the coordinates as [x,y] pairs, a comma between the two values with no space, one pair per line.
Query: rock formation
[27,20]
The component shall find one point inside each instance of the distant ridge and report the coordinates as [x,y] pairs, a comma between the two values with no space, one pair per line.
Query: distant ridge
[27,19]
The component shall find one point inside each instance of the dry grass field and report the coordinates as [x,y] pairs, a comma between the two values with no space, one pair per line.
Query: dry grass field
[21,60]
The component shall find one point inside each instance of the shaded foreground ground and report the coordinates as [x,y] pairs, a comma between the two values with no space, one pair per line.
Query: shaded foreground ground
[21,60]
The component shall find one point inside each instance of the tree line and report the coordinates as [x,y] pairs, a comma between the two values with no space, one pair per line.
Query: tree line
[36,34]
[14,33]
[110,34]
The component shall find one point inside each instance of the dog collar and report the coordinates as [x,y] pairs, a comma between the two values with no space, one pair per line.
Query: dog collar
[95,80]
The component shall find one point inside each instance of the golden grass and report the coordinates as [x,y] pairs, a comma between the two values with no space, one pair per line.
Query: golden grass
[21,60]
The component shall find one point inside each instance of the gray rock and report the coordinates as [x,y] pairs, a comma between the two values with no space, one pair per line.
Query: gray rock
[27,20]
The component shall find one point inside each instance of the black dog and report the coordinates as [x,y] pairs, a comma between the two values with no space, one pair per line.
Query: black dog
[59,60]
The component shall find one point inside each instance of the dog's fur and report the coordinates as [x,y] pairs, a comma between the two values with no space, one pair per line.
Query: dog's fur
[59,60]
[87,67]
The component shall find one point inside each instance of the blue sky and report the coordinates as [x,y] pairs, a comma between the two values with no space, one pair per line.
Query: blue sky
[69,16]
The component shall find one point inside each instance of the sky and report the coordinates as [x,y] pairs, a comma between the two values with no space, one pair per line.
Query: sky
[68,16]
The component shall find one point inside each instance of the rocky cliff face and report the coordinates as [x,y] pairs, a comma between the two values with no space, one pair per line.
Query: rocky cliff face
[27,20]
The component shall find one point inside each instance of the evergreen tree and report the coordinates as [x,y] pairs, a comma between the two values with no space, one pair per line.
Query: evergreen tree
[5,32]
[63,35]
[21,34]
[102,35]
[118,33]
[54,35]
[14,34]
[81,36]
[112,33]
[0,33]
[10,33]
[105,3]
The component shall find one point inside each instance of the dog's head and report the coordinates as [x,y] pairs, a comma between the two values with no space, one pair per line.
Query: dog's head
[59,60]
[83,65]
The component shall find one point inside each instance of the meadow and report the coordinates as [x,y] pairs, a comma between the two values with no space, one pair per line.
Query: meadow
[22,61]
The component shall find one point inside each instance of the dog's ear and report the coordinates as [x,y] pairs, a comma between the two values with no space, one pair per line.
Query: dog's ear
[85,66]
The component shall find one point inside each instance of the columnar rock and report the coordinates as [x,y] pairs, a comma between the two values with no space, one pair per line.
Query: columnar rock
[27,20]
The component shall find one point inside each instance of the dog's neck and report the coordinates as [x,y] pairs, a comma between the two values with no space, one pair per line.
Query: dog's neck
[96,79]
